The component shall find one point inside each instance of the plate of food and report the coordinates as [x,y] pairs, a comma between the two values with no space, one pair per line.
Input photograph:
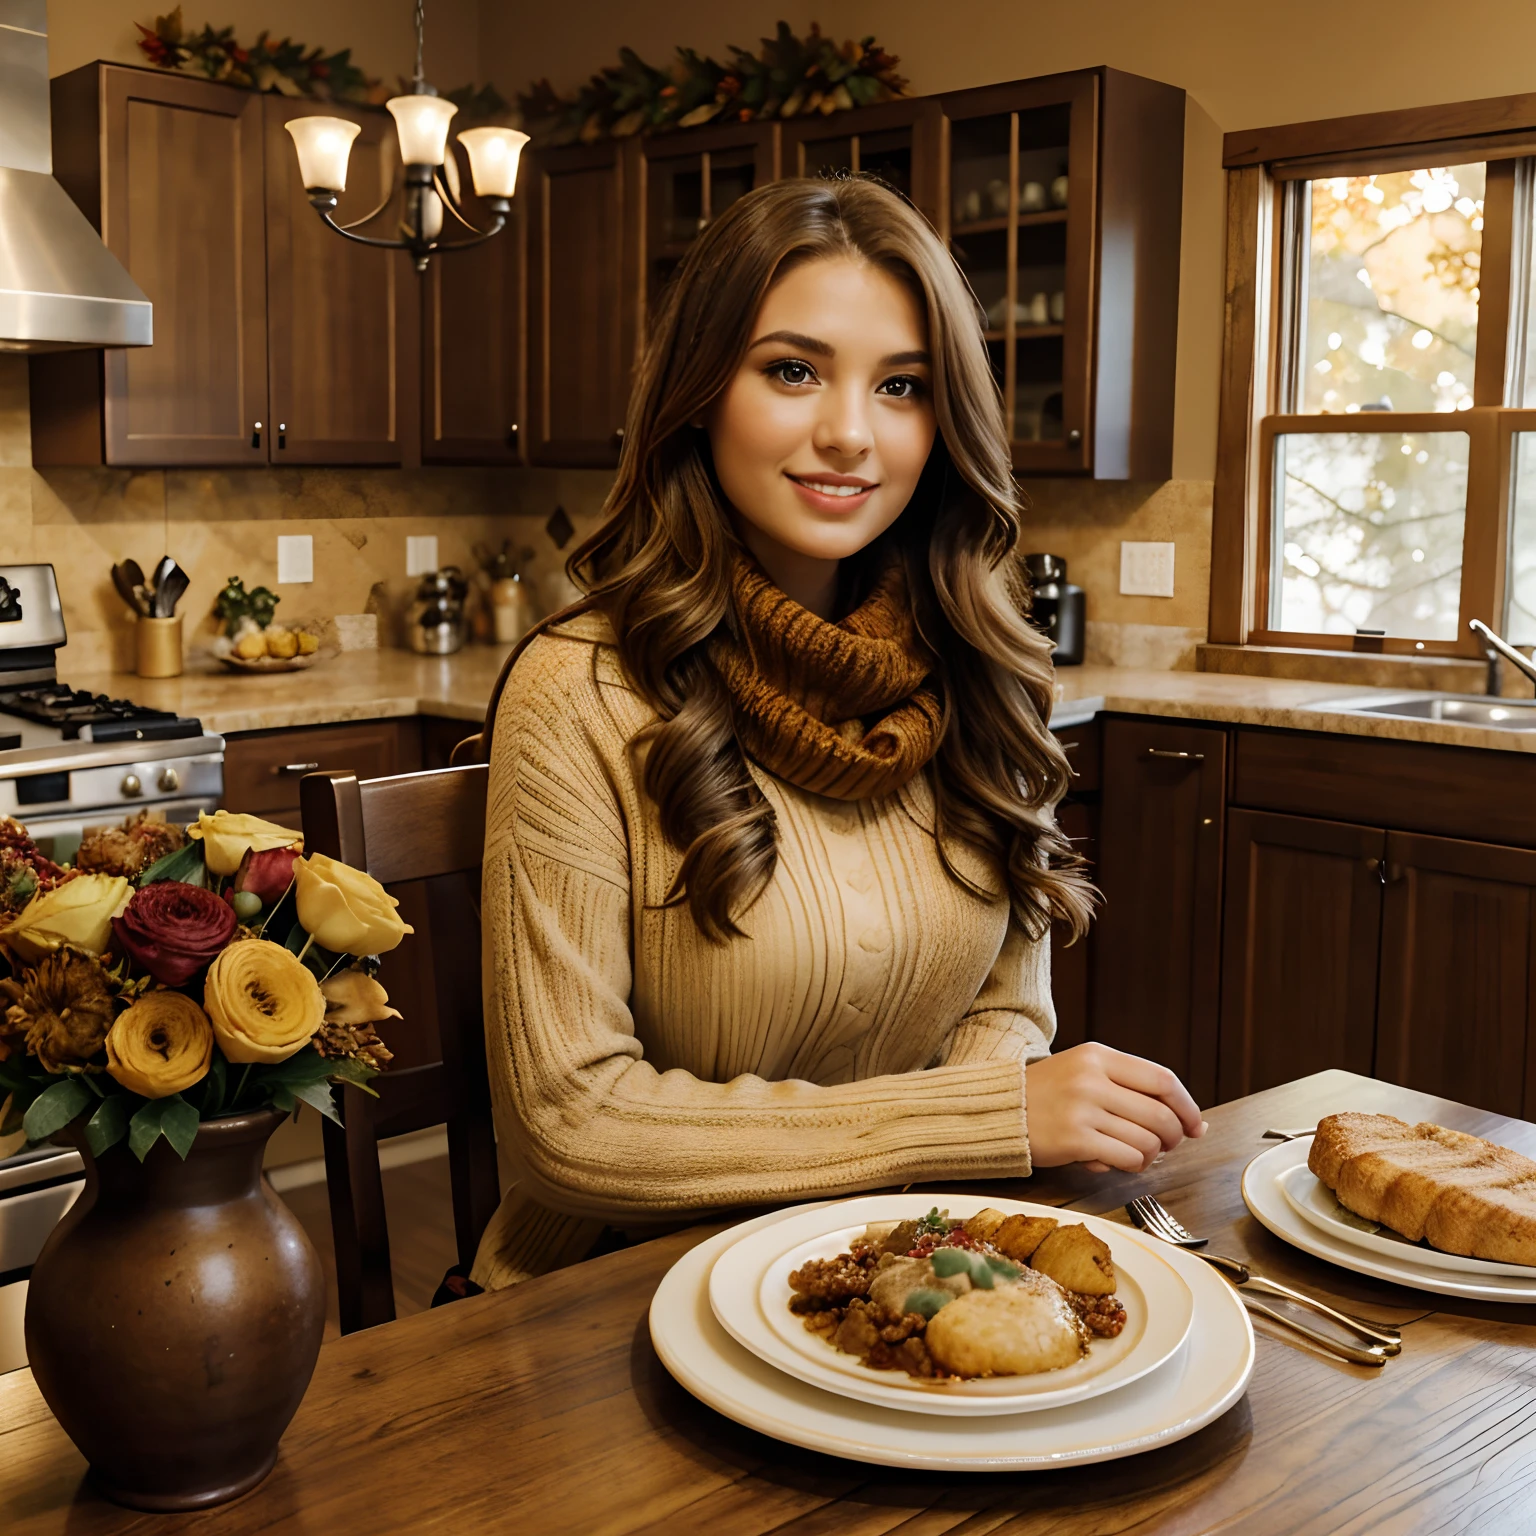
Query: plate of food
[1200,1383]
[1425,1190]
[1011,1308]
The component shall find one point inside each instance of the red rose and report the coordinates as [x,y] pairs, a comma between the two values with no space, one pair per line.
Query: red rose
[172,930]
[266,875]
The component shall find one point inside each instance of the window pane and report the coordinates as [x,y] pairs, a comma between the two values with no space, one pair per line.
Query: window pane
[1520,621]
[1391,291]
[1368,532]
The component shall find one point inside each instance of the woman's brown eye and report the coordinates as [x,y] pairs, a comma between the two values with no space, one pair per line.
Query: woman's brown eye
[792,373]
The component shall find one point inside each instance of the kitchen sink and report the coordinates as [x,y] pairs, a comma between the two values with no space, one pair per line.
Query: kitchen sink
[1453,708]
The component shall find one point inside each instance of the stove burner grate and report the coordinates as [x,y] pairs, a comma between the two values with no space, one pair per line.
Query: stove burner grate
[110,719]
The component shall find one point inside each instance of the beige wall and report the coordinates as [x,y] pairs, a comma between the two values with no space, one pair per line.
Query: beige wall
[380,33]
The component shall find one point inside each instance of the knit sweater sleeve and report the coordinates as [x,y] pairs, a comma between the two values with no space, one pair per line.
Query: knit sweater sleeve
[1013,1017]
[594,1127]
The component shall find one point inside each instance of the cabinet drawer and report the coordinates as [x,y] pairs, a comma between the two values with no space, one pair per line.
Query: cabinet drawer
[262,770]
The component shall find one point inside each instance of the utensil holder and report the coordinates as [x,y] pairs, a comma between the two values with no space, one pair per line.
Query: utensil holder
[158,645]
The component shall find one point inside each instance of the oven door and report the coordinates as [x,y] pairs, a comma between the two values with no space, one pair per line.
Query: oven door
[59,836]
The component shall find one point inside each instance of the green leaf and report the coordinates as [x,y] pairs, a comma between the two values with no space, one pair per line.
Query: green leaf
[317,1096]
[359,1075]
[186,864]
[109,1124]
[55,1107]
[306,1065]
[144,1128]
[284,1100]
[179,1124]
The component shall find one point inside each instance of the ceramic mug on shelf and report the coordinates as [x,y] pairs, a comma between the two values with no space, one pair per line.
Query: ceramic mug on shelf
[1032,197]
[1059,189]
[1040,309]
[1058,307]
[997,199]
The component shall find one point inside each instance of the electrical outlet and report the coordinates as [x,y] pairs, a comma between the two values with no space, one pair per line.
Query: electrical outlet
[295,559]
[420,554]
[1146,570]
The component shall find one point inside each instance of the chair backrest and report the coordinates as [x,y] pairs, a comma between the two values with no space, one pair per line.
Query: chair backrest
[428,828]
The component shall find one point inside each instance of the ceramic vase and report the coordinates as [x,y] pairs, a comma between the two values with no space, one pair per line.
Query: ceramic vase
[174,1317]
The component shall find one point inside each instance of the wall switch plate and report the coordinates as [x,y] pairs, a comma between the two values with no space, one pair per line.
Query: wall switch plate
[295,559]
[420,554]
[1146,570]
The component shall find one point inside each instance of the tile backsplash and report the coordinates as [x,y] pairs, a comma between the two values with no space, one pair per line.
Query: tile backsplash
[218,523]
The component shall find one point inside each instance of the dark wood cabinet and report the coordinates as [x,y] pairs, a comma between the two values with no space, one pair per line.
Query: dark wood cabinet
[343,326]
[1156,946]
[582,300]
[169,169]
[1062,202]
[898,141]
[1301,933]
[473,304]
[684,182]
[262,769]
[1071,963]
[1458,971]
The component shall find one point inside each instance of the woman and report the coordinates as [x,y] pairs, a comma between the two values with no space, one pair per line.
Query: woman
[771,855]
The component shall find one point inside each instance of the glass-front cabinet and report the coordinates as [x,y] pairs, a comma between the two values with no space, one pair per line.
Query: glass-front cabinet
[1062,206]
[689,178]
[898,141]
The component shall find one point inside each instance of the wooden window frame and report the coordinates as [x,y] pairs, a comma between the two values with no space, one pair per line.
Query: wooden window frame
[1255,389]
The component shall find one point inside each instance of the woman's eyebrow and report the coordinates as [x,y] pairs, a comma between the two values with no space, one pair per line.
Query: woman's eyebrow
[796,339]
[897,359]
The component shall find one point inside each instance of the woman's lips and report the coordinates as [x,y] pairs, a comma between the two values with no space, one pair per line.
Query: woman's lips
[835,493]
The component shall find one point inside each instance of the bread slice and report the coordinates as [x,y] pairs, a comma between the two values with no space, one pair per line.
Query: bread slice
[1459,1193]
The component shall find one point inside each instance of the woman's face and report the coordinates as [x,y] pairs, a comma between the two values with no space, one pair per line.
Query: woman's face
[821,435]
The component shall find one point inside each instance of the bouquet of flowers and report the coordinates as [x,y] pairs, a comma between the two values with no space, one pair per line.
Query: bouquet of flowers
[231,973]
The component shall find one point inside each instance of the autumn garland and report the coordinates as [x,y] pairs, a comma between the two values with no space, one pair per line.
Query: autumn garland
[234,973]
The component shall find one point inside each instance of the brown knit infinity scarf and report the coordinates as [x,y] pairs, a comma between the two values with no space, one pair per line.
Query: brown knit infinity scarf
[837,709]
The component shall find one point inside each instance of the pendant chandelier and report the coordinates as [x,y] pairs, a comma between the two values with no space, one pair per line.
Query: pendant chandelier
[324,145]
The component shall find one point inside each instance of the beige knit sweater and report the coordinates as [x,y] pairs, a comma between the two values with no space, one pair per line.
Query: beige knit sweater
[870,1029]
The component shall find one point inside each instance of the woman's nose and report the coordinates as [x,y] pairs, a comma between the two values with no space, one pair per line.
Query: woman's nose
[843,426]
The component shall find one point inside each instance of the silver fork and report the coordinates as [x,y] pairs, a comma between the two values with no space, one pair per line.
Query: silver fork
[1151,1215]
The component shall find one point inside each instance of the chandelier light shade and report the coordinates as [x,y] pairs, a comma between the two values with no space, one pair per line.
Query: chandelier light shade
[422,124]
[493,156]
[324,145]
[431,193]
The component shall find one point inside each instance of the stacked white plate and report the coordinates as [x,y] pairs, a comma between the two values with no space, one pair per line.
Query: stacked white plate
[1287,1198]
[721,1323]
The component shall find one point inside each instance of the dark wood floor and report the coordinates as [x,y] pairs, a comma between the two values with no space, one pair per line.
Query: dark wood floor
[420,1205]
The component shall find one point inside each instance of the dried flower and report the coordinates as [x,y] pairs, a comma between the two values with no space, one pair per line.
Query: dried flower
[130,849]
[161,1045]
[64,1004]
[354,1003]
[264,1004]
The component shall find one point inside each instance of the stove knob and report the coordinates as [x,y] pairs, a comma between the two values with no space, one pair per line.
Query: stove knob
[131,785]
[170,781]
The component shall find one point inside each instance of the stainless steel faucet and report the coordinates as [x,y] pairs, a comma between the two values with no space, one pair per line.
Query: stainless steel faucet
[1496,648]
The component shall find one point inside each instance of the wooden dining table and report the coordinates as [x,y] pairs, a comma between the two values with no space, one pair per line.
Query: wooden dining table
[544,1408]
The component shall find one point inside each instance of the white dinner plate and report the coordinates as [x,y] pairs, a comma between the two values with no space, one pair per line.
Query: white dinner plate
[1315,1202]
[1197,1386]
[750,1293]
[1267,1200]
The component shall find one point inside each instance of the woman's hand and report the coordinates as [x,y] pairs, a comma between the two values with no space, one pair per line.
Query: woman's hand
[1106,1109]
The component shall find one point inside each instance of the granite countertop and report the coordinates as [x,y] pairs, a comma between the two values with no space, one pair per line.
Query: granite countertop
[370,685]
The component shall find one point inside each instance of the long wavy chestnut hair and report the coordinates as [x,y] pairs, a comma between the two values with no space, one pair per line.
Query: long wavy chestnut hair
[660,565]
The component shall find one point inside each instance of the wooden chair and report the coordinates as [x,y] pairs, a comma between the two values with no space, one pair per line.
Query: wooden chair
[428,828]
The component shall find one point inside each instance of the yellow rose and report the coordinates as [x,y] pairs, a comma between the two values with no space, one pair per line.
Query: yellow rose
[345,909]
[78,913]
[161,1045]
[263,1003]
[226,836]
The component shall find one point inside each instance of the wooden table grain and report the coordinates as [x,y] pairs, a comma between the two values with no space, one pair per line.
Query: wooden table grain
[544,1409]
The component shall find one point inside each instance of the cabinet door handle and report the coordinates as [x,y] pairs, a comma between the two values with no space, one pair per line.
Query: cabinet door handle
[296,768]
[282,434]
[618,437]
[1175,757]
[255,434]
[512,435]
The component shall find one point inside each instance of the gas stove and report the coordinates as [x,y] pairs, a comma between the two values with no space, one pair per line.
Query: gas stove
[71,759]
[83,716]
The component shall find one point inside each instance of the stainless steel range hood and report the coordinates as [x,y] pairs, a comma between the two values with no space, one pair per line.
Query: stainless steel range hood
[60,287]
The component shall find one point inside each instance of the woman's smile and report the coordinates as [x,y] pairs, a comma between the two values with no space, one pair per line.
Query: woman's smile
[832,493]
